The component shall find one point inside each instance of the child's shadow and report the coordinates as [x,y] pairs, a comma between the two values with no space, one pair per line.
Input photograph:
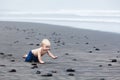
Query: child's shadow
[50,63]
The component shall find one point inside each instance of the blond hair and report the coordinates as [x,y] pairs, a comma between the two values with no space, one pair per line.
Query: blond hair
[45,42]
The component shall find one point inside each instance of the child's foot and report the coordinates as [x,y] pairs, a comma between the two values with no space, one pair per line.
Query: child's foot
[25,56]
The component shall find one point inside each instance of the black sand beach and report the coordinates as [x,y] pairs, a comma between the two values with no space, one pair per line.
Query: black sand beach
[82,54]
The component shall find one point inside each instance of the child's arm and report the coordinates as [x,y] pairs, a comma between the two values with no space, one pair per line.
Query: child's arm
[40,58]
[51,55]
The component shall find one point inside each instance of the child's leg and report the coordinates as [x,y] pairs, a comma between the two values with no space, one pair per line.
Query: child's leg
[29,57]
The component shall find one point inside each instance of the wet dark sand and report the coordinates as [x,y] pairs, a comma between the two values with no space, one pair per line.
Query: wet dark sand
[82,54]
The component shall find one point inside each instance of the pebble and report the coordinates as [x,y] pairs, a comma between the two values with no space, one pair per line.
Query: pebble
[38,72]
[71,74]
[47,75]
[74,59]
[102,79]
[100,65]
[53,71]
[37,44]
[31,44]
[97,49]
[66,53]
[2,53]
[2,65]
[90,51]
[12,70]
[109,64]
[9,54]
[12,60]
[86,43]
[70,70]
[113,60]
[35,66]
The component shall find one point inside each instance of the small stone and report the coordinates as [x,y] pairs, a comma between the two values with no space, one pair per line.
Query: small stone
[71,74]
[74,59]
[38,72]
[102,79]
[35,66]
[2,53]
[118,51]
[27,38]
[97,49]
[66,53]
[12,70]
[53,71]
[86,43]
[12,60]
[114,60]
[70,70]
[90,51]
[47,75]
[2,65]
[109,64]
[31,44]
[37,44]
[9,54]
[100,65]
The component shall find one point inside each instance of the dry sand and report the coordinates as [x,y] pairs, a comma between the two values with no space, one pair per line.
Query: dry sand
[82,54]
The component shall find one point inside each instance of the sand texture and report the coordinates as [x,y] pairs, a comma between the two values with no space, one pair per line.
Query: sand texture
[82,54]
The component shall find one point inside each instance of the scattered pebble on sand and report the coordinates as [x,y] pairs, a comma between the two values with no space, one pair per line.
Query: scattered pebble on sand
[113,60]
[12,70]
[38,72]
[66,53]
[33,67]
[70,70]
[47,75]
[71,74]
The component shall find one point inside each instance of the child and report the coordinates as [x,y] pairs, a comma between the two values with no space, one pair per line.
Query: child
[36,54]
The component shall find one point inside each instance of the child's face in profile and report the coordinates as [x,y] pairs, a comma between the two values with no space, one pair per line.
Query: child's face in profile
[46,47]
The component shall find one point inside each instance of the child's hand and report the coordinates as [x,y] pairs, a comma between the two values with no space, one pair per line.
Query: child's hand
[42,62]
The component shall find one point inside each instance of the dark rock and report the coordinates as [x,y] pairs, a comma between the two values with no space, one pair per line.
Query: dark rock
[12,60]
[90,51]
[102,79]
[53,71]
[118,51]
[16,41]
[9,54]
[27,38]
[38,72]
[63,43]
[70,70]
[74,59]
[66,53]
[113,60]
[31,44]
[109,64]
[97,49]
[2,53]
[71,74]
[12,70]
[47,75]
[100,65]
[37,44]
[86,43]
[35,66]
[2,65]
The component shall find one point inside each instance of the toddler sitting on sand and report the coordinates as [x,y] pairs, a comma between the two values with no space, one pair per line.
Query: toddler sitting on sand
[36,54]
